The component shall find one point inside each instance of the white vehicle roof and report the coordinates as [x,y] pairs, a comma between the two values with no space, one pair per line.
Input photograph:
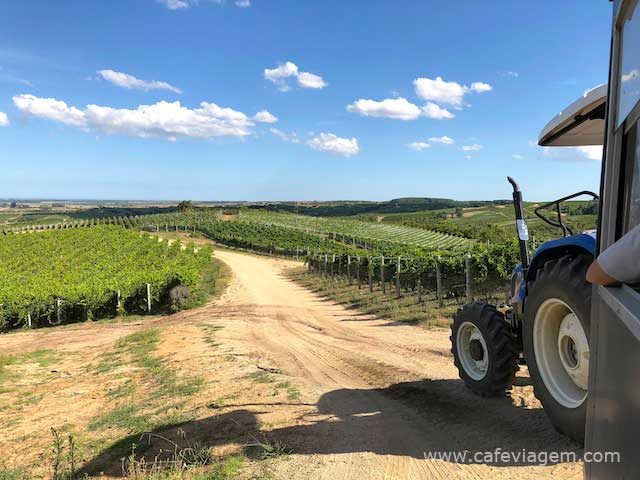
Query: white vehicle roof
[581,123]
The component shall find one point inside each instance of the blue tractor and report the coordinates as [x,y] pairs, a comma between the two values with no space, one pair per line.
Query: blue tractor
[547,321]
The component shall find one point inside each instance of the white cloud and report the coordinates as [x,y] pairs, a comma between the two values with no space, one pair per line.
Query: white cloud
[510,73]
[572,154]
[280,74]
[444,140]
[396,108]
[180,4]
[517,156]
[287,137]
[328,142]
[175,4]
[471,148]
[447,93]
[630,77]
[432,110]
[4,120]
[125,80]
[418,146]
[162,119]
[284,71]
[265,116]
[310,80]
[481,87]
[591,152]
[51,109]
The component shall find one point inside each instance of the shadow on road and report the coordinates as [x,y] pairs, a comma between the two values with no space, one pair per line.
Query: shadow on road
[404,419]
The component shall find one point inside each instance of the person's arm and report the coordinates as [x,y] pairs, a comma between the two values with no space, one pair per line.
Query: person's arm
[620,263]
[598,276]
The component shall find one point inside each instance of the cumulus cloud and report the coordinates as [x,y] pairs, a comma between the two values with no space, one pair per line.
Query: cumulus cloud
[125,80]
[281,74]
[444,140]
[265,116]
[4,120]
[328,142]
[446,93]
[243,3]
[573,154]
[480,87]
[591,152]
[310,80]
[51,109]
[169,120]
[287,137]
[418,146]
[471,148]
[396,108]
[436,112]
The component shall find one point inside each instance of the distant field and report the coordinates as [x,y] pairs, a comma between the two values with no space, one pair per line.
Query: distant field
[491,222]
[358,229]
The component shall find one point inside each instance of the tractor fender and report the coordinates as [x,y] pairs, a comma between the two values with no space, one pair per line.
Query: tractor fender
[583,243]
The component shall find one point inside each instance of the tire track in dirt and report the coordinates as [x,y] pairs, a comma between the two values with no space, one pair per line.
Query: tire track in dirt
[384,395]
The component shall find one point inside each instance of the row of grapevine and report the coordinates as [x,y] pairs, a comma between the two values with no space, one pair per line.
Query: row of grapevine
[92,272]
[453,278]
[358,229]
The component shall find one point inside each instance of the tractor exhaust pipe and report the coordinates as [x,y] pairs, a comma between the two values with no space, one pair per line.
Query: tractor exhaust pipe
[521,225]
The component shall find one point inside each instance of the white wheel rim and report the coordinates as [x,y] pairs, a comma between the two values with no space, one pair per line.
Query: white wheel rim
[562,352]
[467,333]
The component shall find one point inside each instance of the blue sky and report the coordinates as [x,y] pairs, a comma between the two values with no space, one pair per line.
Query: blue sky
[373,99]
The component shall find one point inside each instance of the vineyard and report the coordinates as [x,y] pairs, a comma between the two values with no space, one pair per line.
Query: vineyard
[363,231]
[77,274]
[338,241]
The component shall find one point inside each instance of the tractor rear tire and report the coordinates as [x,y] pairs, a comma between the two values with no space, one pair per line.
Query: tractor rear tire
[483,349]
[556,341]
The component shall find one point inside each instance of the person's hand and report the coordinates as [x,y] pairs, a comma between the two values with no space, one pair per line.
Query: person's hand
[598,276]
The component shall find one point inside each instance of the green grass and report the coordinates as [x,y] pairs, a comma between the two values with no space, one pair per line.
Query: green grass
[385,306]
[14,474]
[261,377]
[126,417]
[292,392]
[136,414]
[44,357]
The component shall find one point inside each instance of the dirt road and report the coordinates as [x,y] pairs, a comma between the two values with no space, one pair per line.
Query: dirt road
[381,396]
[353,397]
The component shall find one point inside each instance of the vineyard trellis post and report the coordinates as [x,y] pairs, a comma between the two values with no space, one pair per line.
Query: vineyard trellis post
[333,262]
[398,278]
[58,313]
[29,323]
[467,272]
[382,282]
[370,268]
[349,268]
[148,297]
[358,272]
[118,300]
[326,260]
[439,283]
